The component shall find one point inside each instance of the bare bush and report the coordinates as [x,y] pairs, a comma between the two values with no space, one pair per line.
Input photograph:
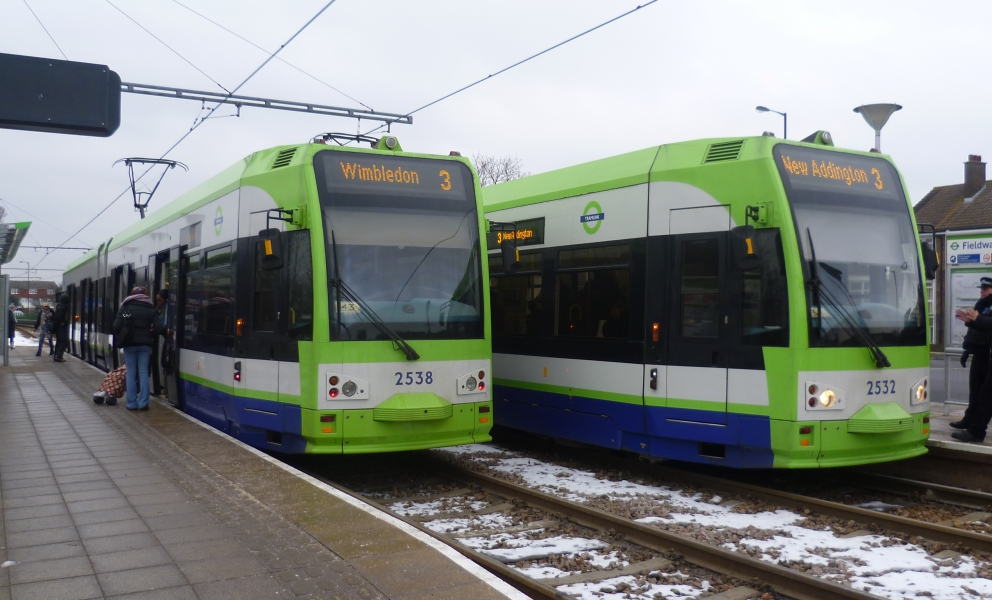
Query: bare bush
[497,169]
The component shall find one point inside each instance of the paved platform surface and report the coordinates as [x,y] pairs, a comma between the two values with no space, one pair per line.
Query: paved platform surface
[100,502]
[941,430]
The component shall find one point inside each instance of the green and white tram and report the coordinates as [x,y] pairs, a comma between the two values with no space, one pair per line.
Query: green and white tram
[324,299]
[749,302]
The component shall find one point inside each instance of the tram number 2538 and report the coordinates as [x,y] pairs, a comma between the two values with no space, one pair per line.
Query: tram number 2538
[879,388]
[414,377]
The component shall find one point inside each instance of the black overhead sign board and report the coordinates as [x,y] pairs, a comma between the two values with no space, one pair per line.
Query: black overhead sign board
[58,96]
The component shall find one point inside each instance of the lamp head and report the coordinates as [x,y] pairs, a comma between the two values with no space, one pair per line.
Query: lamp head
[761,109]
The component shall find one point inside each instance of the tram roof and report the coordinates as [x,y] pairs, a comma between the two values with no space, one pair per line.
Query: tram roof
[222,183]
[628,169]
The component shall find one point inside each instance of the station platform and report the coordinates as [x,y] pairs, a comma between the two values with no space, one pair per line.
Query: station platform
[941,430]
[102,502]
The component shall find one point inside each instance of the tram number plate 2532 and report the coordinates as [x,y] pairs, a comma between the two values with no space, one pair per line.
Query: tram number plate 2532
[414,377]
[881,387]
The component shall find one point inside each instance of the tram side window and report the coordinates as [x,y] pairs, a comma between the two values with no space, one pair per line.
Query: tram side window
[516,299]
[192,295]
[217,310]
[264,312]
[593,293]
[699,291]
[102,306]
[210,300]
[300,285]
[765,296]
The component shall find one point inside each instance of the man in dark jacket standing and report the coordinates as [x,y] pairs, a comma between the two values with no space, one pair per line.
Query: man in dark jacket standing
[61,327]
[135,329]
[976,418]
[977,344]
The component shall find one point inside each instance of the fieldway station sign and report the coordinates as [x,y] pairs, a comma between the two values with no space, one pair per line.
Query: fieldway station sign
[973,250]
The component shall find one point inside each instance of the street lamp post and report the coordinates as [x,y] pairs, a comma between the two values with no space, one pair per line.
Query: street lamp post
[785,119]
[877,115]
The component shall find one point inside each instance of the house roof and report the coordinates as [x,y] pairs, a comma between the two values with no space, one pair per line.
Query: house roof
[944,208]
[33,284]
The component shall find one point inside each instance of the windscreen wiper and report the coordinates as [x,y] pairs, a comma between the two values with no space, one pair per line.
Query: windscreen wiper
[859,328]
[373,317]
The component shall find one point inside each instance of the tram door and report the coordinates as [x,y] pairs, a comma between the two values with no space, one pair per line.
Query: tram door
[170,274]
[158,268]
[698,314]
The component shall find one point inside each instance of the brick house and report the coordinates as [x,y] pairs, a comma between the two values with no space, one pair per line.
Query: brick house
[956,209]
[30,295]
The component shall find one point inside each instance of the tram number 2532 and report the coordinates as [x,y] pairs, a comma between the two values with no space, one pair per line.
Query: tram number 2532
[414,377]
[879,388]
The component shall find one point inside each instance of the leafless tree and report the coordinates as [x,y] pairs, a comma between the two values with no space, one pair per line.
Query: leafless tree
[3,213]
[497,169]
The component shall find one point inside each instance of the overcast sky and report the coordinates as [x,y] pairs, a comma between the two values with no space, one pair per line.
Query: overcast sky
[672,71]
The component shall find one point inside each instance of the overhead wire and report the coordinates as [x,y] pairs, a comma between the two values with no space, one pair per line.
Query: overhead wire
[282,60]
[36,18]
[518,63]
[37,218]
[199,122]
[174,51]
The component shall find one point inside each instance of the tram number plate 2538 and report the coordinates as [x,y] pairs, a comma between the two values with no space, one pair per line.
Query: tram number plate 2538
[882,387]
[414,377]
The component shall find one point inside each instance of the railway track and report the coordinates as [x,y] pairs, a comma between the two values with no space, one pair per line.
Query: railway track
[943,466]
[946,533]
[605,528]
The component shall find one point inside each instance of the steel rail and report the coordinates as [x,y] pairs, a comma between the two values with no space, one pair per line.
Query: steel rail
[785,581]
[932,491]
[894,523]
[943,465]
[863,516]
[526,585]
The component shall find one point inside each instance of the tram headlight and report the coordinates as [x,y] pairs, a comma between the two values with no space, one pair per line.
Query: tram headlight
[919,393]
[349,388]
[828,398]
[470,383]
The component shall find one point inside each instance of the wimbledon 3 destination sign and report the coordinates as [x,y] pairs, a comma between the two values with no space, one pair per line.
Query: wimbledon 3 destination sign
[394,176]
[969,250]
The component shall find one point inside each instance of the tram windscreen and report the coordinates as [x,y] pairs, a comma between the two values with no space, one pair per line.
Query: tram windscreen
[851,211]
[403,235]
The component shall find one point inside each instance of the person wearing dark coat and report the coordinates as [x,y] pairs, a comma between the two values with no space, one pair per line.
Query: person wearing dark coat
[135,330]
[45,320]
[11,324]
[977,342]
[61,327]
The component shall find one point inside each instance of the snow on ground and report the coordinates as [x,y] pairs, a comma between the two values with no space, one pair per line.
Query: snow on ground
[430,508]
[508,547]
[890,568]
[476,523]
[595,591]
[878,505]
[21,340]
[576,485]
